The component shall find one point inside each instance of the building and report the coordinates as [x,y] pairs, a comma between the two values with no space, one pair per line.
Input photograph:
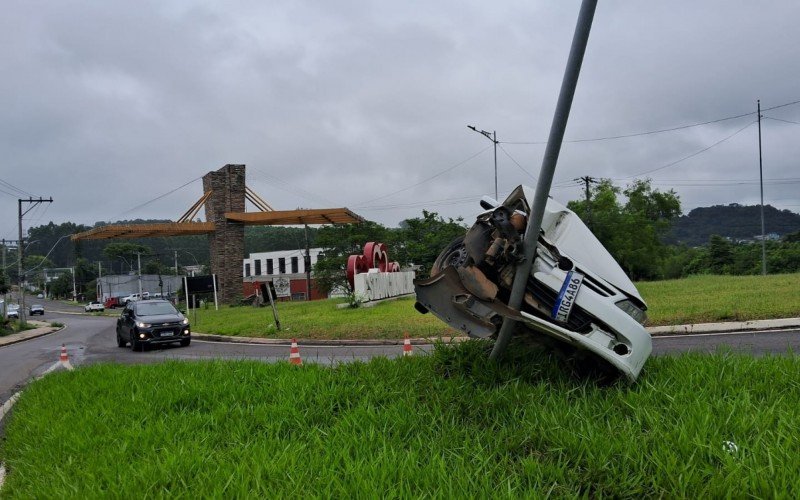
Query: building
[290,265]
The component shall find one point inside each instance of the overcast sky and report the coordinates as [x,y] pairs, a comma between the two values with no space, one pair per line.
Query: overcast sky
[108,105]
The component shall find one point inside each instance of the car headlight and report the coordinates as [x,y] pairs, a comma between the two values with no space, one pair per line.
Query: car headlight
[141,324]
[185,321]
[633,311]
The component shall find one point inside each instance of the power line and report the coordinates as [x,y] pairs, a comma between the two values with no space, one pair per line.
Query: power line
[425,180]
[659,131]
[157,197]
[781,120]
[15,188]
[691,155]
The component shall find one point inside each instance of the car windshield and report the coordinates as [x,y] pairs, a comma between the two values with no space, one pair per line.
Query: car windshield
[154,309]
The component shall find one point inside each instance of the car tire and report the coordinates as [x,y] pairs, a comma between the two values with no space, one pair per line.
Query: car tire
[454,254]
[136,346]
[186,342]
[120,341]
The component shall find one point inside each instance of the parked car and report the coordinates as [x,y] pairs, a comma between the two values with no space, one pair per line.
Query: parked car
[94,306]
[578,300]
[36,309]
[113,302]
[149,322]
[40,296]
[134,297]
[13,311]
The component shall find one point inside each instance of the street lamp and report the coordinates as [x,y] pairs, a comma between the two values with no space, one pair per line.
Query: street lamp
[492,137]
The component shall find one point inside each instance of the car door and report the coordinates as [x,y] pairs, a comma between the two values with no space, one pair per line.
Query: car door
[126,321]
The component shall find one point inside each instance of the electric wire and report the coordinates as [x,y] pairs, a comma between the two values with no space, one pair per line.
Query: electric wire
[693,154]
[781,120]
[15,188]
[158,197]
[426,179]
[659,131]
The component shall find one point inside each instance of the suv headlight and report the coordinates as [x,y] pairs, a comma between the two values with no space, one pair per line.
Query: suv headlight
[633,311]
[185,321]
[141,324]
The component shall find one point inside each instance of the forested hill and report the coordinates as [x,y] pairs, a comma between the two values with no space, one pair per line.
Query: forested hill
[735,221]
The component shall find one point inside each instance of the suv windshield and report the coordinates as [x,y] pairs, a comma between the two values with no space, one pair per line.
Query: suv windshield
[155,309]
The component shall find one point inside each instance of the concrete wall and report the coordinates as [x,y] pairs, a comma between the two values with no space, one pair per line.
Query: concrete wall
[226,244]
[377,285]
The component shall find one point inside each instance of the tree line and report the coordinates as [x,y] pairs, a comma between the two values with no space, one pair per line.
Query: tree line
[634,223]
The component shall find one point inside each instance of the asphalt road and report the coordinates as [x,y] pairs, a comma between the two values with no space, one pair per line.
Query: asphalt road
[91,339]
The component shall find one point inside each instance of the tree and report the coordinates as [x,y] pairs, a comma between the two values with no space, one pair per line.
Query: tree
[4,283]
[632,230]
[720,255]
[125,251]
[62,286]
[420,240]
[338,243]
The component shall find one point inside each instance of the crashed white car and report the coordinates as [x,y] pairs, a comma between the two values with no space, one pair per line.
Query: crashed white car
[576,293]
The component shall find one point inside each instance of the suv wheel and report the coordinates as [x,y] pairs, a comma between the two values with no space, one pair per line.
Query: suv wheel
[135,344]
[120,341]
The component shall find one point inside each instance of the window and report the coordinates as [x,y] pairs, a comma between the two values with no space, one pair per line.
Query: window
[270,270]
[282,265]
[294,265]
[247,270]
[257,263]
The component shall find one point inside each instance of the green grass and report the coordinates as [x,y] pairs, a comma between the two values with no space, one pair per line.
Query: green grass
[446,425]
[321,319]
[703,299]
[699,299]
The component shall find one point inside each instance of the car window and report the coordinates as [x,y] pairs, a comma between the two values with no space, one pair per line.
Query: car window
[154,308]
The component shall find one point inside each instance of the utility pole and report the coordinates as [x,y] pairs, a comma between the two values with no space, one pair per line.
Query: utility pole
[176,262]
[32,202]
[761,182]
[5,295]
[587,180]
[139,259]
[492,137]
[74,288]
[307,265]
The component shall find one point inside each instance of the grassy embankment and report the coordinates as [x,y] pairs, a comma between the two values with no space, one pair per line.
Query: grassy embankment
[698,299]
[446,425]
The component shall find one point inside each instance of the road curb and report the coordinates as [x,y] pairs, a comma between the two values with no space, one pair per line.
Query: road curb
[728,327]
[29,334]
[324,342]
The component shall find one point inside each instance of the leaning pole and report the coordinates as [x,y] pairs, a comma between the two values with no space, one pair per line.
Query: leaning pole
[568,84]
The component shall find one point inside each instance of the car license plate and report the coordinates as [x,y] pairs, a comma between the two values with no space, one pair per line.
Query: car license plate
[166,333]
[566,297]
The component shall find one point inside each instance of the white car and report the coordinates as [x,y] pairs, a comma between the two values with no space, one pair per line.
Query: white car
[13,311]
[94,307]
[578,299]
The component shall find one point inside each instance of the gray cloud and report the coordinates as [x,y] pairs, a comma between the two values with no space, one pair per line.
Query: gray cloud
[107,106]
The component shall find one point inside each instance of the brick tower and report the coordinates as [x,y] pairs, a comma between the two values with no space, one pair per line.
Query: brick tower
[226,243]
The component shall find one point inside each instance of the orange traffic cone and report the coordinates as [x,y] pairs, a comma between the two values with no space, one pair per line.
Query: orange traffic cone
[407,351]
[64,359]
[294,354]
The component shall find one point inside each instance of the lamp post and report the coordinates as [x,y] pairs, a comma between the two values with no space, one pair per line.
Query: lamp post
[492,137]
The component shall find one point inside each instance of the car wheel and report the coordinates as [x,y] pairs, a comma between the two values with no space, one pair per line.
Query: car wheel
[455,254]
[135,344]
[120,341]
[186,342]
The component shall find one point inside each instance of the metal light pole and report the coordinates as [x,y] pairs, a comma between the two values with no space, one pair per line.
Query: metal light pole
[761,182]
[139,259]
[557,128]
[492,137]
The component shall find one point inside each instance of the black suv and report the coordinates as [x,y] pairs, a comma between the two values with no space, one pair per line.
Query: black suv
[145,322]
